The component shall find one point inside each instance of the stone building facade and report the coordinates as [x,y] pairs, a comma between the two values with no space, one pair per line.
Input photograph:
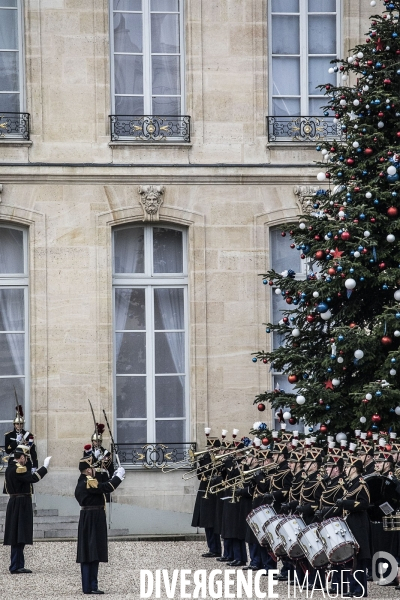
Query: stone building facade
[222,183]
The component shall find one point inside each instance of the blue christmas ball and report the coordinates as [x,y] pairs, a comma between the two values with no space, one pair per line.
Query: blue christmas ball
[292,318]
[327,407]
[365,173]
[328,279]
[311,429]
[268,330]
[329,234]
[359,150]
[340,338]
[378,66]
[351,252]
[387,107]
[322,307]
[371,260]
[341,158]
[262,426]
[351,270]
[392,360]
[333,356]
[265,281]
[348,195]
[364,130]
[378,393]
[392,178]
[318,148]
[394,193]
[329,299]
[377,101]
[394,34]
[339,269]
[384,287]
[362,216]
[361,278]
[329,370]
[339,174]
[306,249]
[376,201]
[295,302]
[391,6]
[397,315]
[374,428]
[328,257]
[398,71]
[360,248]
[326,114]
[254,359]
[305,375]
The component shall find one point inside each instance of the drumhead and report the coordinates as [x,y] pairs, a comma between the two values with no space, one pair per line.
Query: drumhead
[381,489]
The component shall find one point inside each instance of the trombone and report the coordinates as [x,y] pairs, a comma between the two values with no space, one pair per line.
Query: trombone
[193,456]
[239,480]
[216,462]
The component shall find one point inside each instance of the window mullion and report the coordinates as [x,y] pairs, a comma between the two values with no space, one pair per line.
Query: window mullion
[147,85]
[150,364]
[304,103]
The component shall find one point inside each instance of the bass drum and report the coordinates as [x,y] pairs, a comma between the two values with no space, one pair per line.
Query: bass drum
[381,489]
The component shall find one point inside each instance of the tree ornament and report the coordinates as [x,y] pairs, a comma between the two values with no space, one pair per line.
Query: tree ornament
[359,354]
[368,151]
[323,429]
[345,236]
[397,295]
[320,255]
[392,211]
[293,378]
[397,410]
[265,441]
[376,418]
[300,400]
[261,407]
[341,436]
[350,284]
[292,420]
[386,340]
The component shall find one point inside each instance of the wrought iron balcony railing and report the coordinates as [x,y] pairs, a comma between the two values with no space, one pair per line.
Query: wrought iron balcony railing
[150,128]
[303,129]
[14,126]
[155,455]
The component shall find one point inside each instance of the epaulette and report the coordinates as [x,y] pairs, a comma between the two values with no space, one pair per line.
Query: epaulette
[21,469]
[341,481]
[9,432]
[91,482]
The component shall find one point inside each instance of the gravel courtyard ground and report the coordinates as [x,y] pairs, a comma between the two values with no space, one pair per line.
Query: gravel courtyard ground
[57,576]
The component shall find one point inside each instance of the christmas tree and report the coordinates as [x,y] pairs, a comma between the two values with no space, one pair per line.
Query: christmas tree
[341,329]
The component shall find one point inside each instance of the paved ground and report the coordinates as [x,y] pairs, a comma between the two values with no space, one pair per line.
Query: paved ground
[57,576]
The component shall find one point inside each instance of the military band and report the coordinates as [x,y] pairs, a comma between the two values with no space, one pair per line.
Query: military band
[352,490]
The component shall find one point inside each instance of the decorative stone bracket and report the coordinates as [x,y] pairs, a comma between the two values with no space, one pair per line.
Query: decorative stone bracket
[151,198]
[304,194]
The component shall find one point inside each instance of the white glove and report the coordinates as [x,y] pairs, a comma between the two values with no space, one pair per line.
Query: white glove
[19,437]
[46,462]
[97,453]
[120,473]
[33,470]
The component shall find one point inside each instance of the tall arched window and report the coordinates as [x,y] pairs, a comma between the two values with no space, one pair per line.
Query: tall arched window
[14,364]
[150,333]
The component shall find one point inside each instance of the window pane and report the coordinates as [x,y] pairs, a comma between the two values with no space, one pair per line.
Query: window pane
[165,33]
[128,32]
[12,355]
[11,251]
[9,70]
[168,308]
[128,74]
[131,432]
[286,76]
[285,107]
[131,353]
[127,4]
[165,105]
[170,431]
[318,6]
[322,34]
[169,352]
[278,305]
[9,102]
[165,5]
[285,6]
[282,255]
[12,316]
[8,30]
[131,397]
[129,105]
[285,35]
[318,74]
[129,250]
[315,108]
[170,397]
[8,3]
[166,76]
[7,398]
[167,250]
[130,309]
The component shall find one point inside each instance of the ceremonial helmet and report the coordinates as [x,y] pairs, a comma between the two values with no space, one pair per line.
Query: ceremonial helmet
[22,450]
[98,434]
[87,460]
[19,417]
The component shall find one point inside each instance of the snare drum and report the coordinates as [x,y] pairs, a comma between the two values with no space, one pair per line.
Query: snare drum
[340,544]
[391,522]
[256,519]
[312,545]
[271,536]
[288,530]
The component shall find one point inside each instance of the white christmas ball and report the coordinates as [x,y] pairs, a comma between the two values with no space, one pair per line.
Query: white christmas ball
[335,382]
[390,238]
[256,425]
[350,284]
[340,359]
[381,124]
[285,273]
[326,315]
[368,195]
[373,3]
[357,254]
[350,59]
[397,295]
[368,396]
[365,88]
[396,333]
[324,151]
[343,102]
[302,225]
[315,294]
[344,78]
[391,170]
[341,436]
[358,354]
[321,176]
[287,415]
[331,70]
[296,332]
[366,234]
[356,102]
[300,399]
[397,410]
[278,291]
[392,372]
[360,55]
[363,420]
[341,213]
[355,144]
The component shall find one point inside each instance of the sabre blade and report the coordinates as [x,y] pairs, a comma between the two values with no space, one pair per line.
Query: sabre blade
[111,437]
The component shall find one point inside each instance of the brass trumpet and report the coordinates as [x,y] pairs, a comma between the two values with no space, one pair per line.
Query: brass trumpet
[239,480]
[216,461]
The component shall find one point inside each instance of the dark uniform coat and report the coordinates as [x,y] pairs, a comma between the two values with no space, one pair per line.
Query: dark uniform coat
[259,485]
[10,444]
[295,490]
[333,492]
[204,509]
[233,520]
[92,528]
[280,485]
[310,496]
[355,507]
[19,515]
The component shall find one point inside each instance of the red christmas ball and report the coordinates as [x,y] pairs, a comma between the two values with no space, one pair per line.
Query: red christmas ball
[283,233]
[310,318]
[265,361]
[261,407]
[370,63]
[323,429]
[345,236]
[332,271]
[265,441]
[292,420]
[369,434]
[365,401]
[380,115]
[321,401]
[372,219]
[293,246]
[352,325]
[368,151]
[386,340]
[350,161]
[320,255]
[270,283]
[388,447]
[382,266]
[387,81]
[392,211]
[285,319]
[376,418]
[292,378]
[398,134]
[382,159]
[289,300]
